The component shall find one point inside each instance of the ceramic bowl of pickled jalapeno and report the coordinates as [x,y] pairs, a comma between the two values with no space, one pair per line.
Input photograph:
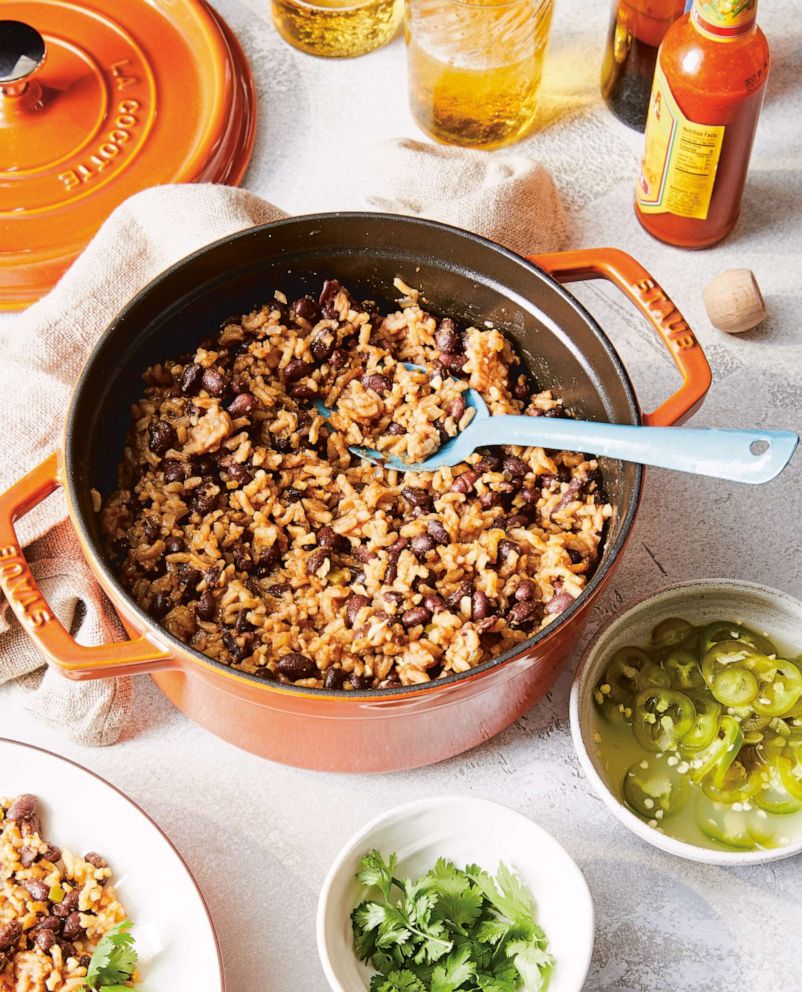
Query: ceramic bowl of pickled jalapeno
[686,714]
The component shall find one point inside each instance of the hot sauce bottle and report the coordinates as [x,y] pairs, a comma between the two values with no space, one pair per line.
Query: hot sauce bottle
[708,89]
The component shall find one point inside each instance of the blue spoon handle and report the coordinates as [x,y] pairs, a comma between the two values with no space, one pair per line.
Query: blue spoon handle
[739,455]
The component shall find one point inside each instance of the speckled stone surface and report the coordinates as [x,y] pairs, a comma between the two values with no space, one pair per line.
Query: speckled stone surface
[260,837]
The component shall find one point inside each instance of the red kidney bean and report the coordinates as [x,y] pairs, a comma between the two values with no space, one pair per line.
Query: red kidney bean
[480,605]
[307,309]
[96,860]
[36,888]
[446,336]
[161,437]
[353,605]
[453,363]
[416,497]
[295,369]
[457,409]
[296,666]
[415,616]
[322,346]
[378,383]
[191,378]
[525,590]
[300,391]
[559,602]
[521,612]
[334,678]
[434,603]
[421,545]
[25,807]
[464,483]
[437,532]
[243,405]
[214,382]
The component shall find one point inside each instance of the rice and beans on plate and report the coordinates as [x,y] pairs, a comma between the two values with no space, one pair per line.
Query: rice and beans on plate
[54,906]
[244,525]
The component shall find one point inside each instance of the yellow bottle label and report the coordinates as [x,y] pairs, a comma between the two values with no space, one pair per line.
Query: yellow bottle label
[680,158]
[724,15]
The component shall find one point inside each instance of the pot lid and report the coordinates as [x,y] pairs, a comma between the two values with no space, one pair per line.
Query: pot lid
[100,99]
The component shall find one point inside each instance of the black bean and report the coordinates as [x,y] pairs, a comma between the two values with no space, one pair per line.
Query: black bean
[556,411]
[263,672]
[173,470]
[96,860]
[61,910]
[243,405]
[25,807]
[235,471]
[72,926]
[422,544]
[67,949]
[84,960]
[339,359]
[161,437]
[559,602]
[489,462]
[446,336]
[52,854]
[434,603]
[415,496]
[307,309]
[278,589]
[203,501]
[174,545]
[331,287]
[214,382]
[10,933]
[489,499]
[515,466]
[390,682]
[300,391]
[519,383]
[437,532]
[49,923]
[36,888]
[328,538]
[464,483]
[378,383]
[530,495]
[397,547]
[353,605]
[27,857]
[188,577]
[487,623]
[520,612]
[362,553]
[191,378]
[281,444]
[456,597]
[415,616]
[506,548]
[525,590]
[295,369]
[334,678]
[480,605]
[360,681]
[395,430]
[207,606]
[453,363]
[45,939]
[517,520]
[315,561]
[161,605]
[296,666]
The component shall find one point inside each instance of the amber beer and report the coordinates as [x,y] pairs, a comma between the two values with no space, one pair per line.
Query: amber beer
[475,67]
[336,28]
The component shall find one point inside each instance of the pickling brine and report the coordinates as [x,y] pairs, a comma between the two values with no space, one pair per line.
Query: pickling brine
[699,732]
[336,28]
[475,67]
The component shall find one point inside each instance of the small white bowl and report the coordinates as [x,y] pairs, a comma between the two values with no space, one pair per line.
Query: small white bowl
[701,601]
[467,831]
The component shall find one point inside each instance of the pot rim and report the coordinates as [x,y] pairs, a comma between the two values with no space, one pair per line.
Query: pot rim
[107,578]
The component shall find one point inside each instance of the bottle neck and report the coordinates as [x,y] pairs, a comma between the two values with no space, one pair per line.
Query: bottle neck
[723,20]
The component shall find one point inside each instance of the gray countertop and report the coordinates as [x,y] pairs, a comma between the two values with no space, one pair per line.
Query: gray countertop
[260,837]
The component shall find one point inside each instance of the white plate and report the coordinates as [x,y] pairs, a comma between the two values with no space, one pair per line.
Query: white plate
[467,831]
[175,938]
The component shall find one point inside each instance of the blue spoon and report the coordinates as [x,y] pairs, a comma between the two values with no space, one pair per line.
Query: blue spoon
[738,455]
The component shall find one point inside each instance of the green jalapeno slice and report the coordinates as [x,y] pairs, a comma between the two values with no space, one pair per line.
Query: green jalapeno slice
[773,795]
[780,687]
[720,822]
[737,784]
[725,630]
[672,632]
[682,668]
[705,726]
[722,750]
[656,791]
[734,686]
[790,768]
[723,654]
[661,718]
[630,670]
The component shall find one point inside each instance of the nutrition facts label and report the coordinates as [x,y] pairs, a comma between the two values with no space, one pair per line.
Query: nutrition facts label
[680,158]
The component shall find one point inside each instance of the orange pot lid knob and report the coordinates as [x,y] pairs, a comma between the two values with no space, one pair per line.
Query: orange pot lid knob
[98,100]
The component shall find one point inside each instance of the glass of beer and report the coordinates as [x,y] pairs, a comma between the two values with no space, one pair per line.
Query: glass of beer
[336,28]
[475,67]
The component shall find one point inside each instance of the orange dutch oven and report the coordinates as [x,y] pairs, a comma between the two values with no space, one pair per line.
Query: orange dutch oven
[464,276]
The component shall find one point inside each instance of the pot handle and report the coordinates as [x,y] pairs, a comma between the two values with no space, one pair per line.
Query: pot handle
[77,661]
[654,303]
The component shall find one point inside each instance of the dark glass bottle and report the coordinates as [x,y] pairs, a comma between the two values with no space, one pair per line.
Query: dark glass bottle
[636,30]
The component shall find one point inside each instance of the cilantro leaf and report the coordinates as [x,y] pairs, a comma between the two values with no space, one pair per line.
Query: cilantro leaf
[397,981]
[114,959]
[454,972]
[532,963]
[459,901]
[374,870]
[492,930]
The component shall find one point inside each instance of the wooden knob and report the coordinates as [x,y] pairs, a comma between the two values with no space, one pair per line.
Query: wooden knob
[733,301]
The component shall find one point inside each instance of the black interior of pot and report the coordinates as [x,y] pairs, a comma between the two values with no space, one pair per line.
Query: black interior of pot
[459,274]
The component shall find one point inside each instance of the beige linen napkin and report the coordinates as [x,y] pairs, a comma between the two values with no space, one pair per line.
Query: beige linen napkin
[42,352]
